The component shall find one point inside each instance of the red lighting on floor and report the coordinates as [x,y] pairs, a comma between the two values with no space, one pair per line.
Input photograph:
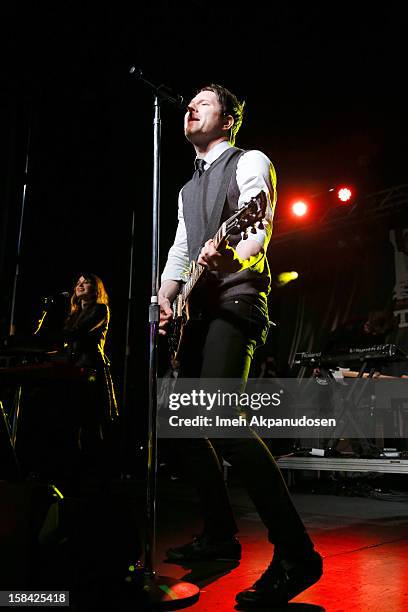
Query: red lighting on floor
[344,194]
[299,208]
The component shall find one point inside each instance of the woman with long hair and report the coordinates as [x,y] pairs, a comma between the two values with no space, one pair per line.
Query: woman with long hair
[85,332]
[87,324]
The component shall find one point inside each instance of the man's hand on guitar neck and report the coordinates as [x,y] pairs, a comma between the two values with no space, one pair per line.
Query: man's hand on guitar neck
[167,293]
[227,259]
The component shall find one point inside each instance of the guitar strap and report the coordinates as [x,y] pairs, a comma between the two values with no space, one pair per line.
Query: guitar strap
[215,219]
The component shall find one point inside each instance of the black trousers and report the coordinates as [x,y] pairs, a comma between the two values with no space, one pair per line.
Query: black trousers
[228,337]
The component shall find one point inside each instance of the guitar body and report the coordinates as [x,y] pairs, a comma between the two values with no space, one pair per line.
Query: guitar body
[181,316]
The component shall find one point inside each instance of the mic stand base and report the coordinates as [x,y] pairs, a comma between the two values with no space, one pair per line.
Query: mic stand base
[162,591]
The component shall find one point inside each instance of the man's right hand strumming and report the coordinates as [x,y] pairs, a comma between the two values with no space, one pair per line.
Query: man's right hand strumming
[167,293]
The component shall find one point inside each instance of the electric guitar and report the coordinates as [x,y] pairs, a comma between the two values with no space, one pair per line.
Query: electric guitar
[246,217]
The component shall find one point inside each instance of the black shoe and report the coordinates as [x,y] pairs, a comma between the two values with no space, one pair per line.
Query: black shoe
[203,548]
[282,581]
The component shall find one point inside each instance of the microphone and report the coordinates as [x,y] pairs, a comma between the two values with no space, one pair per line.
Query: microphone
[50,299]
[162,91]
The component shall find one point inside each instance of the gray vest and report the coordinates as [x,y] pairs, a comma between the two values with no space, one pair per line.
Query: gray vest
[201,198]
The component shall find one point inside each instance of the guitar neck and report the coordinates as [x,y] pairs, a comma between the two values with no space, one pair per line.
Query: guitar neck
[219,236]
[198,270]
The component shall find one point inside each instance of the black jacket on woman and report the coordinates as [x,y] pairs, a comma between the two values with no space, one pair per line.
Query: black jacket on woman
[85,334]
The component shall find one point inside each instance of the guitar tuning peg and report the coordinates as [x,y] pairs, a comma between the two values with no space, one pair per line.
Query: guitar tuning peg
[261,225]
[253,229]
[244,234]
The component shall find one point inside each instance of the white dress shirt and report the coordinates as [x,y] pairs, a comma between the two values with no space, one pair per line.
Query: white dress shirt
[255,173]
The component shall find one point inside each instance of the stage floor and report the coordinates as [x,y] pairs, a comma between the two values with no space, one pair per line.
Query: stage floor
[364,543]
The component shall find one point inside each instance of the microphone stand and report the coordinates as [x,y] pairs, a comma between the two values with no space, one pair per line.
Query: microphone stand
[12,325]
[129,312]
[16,410]
[46,303]
[159,590]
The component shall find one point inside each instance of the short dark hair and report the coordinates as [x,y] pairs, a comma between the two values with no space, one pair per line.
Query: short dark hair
[230,105]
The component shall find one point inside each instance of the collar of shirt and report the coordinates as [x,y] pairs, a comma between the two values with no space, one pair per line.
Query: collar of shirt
[215,152]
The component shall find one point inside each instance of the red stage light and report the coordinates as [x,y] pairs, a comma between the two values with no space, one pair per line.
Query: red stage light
[344,194]
[299,208]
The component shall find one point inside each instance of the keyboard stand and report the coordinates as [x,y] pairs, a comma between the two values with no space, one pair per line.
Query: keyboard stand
[348,405]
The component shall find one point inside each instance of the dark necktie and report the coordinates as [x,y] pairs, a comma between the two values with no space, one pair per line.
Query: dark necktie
[199,165]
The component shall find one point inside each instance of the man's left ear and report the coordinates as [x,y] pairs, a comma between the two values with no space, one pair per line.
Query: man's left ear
[228,122]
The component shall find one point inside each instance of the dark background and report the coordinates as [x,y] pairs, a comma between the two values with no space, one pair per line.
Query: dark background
[324,91]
